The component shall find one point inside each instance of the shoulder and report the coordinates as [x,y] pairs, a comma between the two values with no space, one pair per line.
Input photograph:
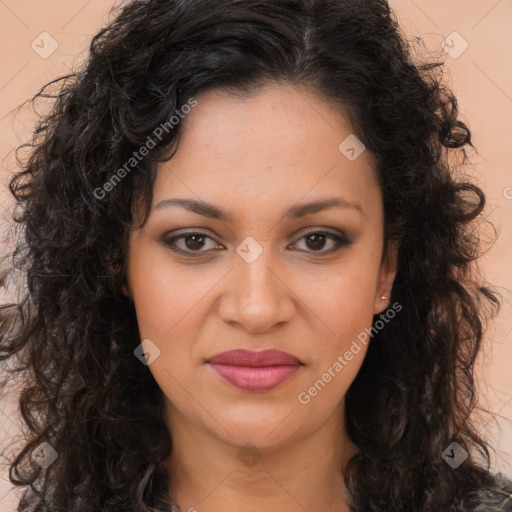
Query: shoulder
[495,499]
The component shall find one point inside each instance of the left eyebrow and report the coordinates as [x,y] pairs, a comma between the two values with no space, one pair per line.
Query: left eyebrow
[295,212]
[301,210]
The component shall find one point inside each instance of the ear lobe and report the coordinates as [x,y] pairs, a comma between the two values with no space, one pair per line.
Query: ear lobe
[387,275]
[126,290]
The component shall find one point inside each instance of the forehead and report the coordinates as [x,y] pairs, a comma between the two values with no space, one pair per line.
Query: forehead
[279,144]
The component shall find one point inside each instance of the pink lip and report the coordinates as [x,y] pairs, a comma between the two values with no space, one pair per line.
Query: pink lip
[255,371]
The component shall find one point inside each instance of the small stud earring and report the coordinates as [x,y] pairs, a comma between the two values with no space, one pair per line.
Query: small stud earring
[385,298]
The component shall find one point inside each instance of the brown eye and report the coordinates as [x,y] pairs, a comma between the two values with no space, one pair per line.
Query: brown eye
[194,242]
[191,243]
[316,241]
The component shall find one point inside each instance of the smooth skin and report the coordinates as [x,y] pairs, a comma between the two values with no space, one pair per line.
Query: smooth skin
[254,158]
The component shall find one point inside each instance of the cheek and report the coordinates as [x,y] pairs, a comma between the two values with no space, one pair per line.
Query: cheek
[167,306]
[344,309]
[341,302]
[170,308]
[163,295]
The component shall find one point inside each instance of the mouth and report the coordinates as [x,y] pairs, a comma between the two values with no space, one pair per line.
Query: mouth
[255,371]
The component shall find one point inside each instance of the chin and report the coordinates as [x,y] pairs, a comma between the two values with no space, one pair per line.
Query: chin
[265,431]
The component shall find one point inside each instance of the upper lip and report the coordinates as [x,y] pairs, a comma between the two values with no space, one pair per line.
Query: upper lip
[240,357]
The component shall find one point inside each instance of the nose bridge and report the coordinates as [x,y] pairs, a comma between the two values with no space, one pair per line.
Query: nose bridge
[257,278]
[257,298]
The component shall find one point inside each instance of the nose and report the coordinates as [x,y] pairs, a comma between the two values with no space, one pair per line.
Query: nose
[256,296]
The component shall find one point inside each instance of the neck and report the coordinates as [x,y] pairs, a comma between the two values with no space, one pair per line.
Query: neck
[208,474]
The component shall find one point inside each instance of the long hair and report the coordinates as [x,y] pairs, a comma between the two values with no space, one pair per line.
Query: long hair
[73,332]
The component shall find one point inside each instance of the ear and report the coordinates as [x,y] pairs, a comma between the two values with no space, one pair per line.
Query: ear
[387,275]
[126,288]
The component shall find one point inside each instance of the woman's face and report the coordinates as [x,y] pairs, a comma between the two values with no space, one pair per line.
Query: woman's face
[260,273]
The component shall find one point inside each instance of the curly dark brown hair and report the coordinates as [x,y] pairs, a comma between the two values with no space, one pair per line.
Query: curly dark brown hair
[73,332]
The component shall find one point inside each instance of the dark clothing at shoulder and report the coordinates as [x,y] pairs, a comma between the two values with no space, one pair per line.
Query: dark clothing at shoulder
[498,499]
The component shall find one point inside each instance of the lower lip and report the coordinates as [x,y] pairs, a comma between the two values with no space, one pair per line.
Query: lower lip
[249,378]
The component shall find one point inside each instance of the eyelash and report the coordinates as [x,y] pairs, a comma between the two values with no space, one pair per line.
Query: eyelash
[340,241]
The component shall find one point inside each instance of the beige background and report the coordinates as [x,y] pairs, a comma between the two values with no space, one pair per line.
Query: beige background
[480,75]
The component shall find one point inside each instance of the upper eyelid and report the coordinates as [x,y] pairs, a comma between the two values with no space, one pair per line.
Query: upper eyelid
[201,231]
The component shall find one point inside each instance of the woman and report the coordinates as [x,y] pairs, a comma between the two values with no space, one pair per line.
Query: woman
[250,271]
